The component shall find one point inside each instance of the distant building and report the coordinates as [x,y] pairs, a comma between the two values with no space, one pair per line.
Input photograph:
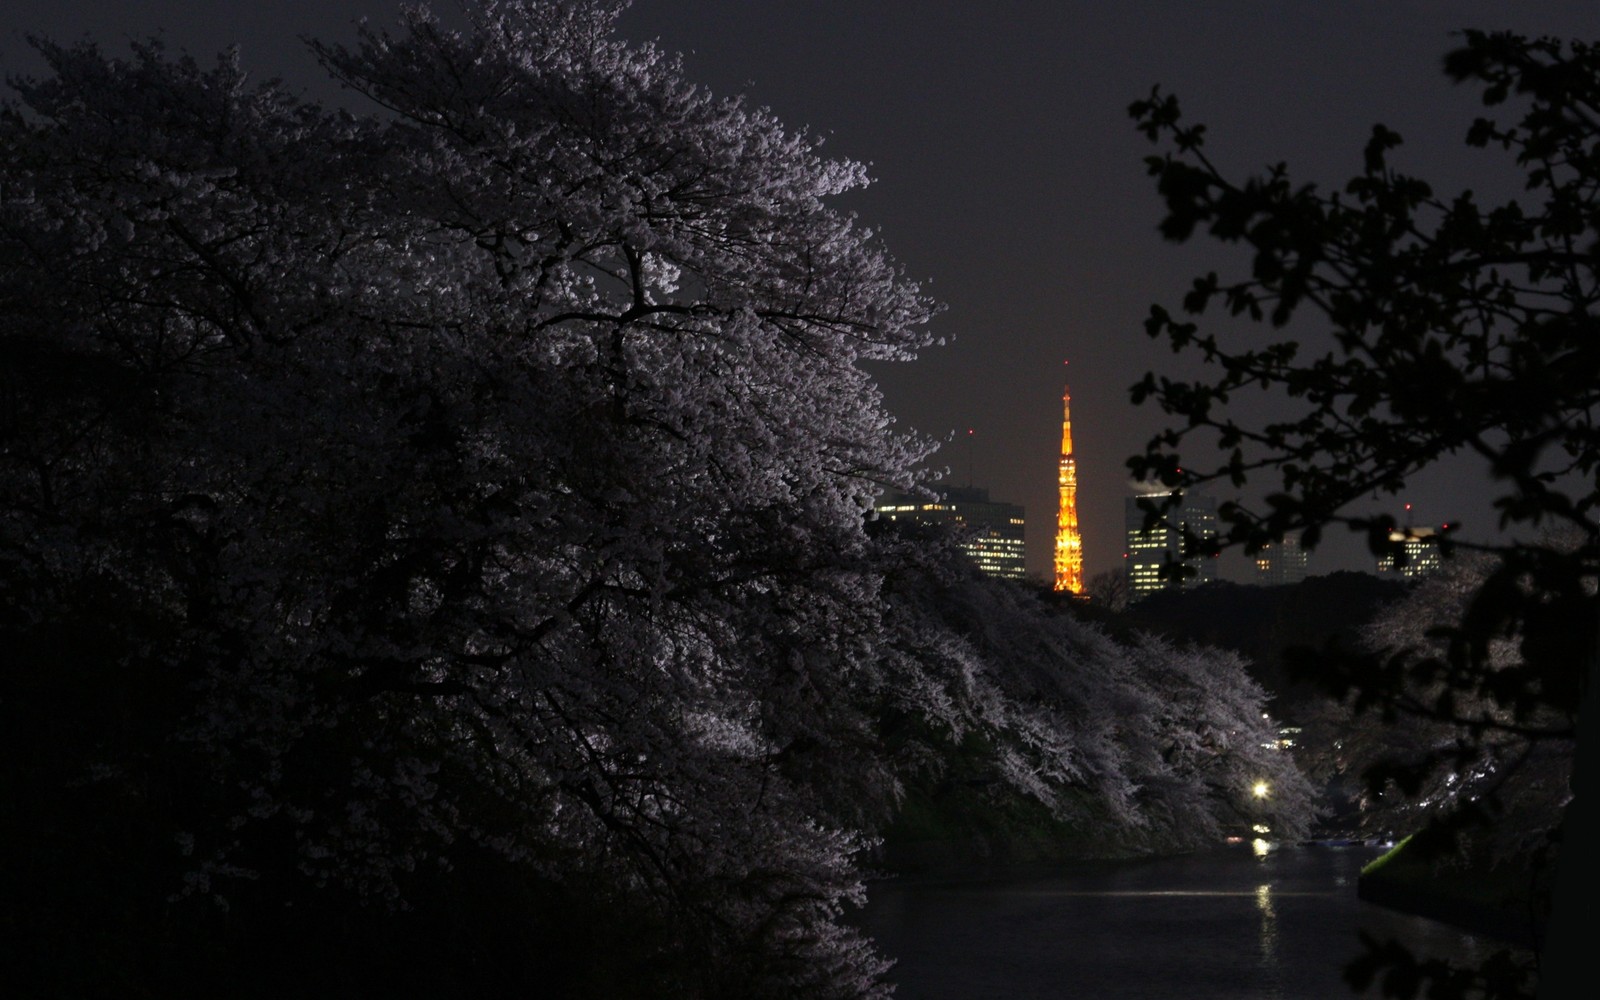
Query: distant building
[1149,551]
[1422,554]
[992,531]
[1281,563]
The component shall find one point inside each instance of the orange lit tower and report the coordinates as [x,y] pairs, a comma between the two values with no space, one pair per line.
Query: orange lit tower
[1069,542]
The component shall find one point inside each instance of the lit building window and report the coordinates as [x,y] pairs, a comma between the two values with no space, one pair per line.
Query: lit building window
[1149,551]
[992,531]
[1422,553]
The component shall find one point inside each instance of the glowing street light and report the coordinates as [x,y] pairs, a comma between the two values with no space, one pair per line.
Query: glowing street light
[1260,789]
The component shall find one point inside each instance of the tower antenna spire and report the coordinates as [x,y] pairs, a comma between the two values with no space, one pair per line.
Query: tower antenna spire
[1069,541]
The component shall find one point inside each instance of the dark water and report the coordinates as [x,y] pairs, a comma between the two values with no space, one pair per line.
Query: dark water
[1234,924]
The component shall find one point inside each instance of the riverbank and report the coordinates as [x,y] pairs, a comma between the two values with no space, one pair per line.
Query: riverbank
[951,828]
[978,824]
[1508,900]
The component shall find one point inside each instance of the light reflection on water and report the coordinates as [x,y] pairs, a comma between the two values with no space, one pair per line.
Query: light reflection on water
[1227,925]
[1269,927]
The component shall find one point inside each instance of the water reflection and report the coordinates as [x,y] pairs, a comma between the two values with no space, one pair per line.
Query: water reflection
[1269,926]
[1235,924]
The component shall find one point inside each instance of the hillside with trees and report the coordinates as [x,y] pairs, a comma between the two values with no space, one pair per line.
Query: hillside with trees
[1265,625]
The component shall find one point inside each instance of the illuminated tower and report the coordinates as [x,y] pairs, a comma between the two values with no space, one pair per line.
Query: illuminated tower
[1069,542]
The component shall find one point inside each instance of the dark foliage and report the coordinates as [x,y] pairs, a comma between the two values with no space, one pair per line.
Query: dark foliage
[1425,325]
[1263,624]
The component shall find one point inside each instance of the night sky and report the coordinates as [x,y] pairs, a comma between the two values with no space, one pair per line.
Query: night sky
[1008,177]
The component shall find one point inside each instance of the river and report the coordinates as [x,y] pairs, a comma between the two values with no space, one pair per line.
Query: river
[1239,923]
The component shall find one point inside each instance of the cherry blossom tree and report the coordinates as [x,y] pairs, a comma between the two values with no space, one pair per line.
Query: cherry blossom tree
[1145,746]
[1481,763]
[484,473]
[468,497]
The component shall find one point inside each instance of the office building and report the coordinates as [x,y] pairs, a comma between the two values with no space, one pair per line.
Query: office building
[1149,551]
[1422,554]
[1281,562]
[991,531]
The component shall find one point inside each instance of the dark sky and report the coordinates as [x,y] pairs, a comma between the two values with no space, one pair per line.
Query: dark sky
[1007,176]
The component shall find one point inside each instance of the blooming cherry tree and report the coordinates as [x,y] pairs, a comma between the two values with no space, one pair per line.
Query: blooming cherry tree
[483,475]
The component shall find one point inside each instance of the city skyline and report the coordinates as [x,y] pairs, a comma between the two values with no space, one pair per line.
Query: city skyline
[1009,175]
[1009,179]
